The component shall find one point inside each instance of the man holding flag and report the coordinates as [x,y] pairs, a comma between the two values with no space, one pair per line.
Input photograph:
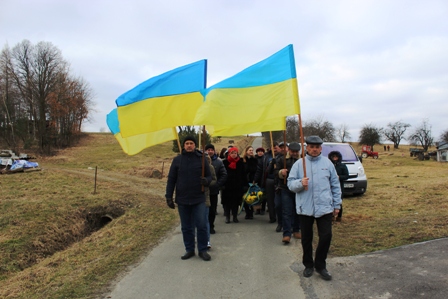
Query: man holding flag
[185,176]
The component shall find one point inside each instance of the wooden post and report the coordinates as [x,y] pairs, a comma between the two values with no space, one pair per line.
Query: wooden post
[284,157]
[203,153]
[303,149]
[96,171]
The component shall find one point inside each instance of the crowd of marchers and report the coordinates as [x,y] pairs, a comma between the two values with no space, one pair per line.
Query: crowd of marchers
[296,193]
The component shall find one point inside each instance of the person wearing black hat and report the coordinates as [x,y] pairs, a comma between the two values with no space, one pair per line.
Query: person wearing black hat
[266,180]
[185,176]
[221,175]
[290,219]
[318,198]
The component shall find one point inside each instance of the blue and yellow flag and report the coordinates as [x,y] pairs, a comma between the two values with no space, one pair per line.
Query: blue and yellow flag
[134,144]
[257,99]
[162,102]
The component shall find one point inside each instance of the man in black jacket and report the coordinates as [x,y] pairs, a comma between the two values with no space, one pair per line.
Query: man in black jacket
[265,179]
[186,178]
[221,176]
[290,219]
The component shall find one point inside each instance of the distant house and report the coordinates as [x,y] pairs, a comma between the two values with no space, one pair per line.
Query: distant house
[442,151]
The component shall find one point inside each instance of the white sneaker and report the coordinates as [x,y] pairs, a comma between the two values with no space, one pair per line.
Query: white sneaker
[209,245]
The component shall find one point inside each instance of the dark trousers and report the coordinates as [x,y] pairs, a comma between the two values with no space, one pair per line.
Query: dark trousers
[278,207]
[212,210]
[340,212]
[249,210]
[342,197]
[191,217]
[270,197]
[290,219]
[231,208]
[324,231]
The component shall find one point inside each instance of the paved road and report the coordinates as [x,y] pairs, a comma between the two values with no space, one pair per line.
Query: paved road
[250,261]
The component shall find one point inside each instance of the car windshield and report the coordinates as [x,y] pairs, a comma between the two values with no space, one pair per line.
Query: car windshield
[348,154]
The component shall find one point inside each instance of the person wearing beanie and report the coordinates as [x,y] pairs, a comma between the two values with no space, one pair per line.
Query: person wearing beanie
[250,166]
[232,194]
[185,177]
[221,177]
[266,180]
[318,199]
[290,219]
[190,138]
[210,146]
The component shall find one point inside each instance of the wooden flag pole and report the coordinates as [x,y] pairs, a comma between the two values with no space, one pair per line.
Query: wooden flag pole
[303,149]
[284,157]
[178,141]
[203,153]
[272,144]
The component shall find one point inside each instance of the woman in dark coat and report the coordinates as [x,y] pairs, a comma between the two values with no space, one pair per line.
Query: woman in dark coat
[250,167]
[232,194]
[342,171]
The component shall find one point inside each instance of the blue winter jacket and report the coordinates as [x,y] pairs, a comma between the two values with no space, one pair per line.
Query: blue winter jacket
[324,192]
[185,176]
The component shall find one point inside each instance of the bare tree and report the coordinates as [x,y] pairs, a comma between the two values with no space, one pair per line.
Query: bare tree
[43,102]
[292,129]
[320,127]
[370,135]
[422,135]
[444,136]
[395,132]
[343,133]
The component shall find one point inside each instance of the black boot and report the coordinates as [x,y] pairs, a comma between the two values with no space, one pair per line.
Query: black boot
[227,219]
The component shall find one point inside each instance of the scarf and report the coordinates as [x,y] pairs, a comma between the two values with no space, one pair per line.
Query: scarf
[232,161]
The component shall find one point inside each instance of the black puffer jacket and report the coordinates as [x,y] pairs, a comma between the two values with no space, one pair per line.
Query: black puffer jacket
[221,175]
[185,176]
[341,168]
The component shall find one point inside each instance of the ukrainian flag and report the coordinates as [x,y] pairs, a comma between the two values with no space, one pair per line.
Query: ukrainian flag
[134,144]
[257,99]
[165,101]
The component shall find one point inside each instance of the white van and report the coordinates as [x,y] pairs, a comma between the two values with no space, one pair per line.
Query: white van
[357,182]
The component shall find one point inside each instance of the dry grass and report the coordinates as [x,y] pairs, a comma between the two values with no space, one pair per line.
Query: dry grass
[51,244]
[405,202]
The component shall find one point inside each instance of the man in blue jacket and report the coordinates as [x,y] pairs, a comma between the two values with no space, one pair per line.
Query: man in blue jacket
[318,198]
[186,178]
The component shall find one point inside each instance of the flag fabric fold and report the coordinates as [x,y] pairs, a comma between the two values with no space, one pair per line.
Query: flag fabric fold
[135,144]
[165,101]
[254,100]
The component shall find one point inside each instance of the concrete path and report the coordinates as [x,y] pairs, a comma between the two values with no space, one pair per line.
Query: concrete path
[248,261]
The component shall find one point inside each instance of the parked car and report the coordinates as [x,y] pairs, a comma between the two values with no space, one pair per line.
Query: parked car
[357,182]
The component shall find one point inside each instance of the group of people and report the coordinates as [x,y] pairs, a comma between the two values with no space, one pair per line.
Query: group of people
[297,192]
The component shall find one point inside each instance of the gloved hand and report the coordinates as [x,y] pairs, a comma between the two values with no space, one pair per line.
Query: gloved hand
[274,161]
[204,182]
[170,203]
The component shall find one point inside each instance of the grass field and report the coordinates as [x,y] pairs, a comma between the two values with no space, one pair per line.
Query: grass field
[56,240]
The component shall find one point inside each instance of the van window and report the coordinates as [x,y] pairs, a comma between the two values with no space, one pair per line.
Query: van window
[348,154]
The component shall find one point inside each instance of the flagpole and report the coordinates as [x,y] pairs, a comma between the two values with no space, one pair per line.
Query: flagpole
[284,158]
[177,138]
[203,153]
[272,144]
[303,149]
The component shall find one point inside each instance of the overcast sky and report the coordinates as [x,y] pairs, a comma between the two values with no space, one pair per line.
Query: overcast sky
[358,62]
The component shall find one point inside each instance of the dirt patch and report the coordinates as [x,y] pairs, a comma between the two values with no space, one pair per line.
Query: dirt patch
[78,225]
